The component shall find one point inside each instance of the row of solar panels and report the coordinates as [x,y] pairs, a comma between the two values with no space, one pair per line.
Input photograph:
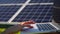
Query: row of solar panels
[23,1]
[38,13]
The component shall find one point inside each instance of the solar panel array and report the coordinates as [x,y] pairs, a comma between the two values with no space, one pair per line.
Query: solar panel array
[35,12]
[38,13]
[23,1]
[41,1]
[12,1]
[6,12]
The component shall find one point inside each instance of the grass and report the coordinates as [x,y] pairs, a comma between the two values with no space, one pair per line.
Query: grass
[4,26]
[3,29]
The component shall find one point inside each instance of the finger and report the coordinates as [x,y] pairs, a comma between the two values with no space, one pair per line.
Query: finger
[29,26]
[29,22]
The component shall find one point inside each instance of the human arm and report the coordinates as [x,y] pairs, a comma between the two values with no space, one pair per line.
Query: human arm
[18,27]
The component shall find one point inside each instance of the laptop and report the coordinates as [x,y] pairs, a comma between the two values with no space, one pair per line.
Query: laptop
[42,28]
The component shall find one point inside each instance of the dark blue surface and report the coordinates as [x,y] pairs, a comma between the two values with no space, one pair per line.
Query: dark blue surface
[35,12]
[11,1]
[6,12]
[39,1]
[45,27]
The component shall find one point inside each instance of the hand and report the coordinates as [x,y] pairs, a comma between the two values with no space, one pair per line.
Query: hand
[27,23]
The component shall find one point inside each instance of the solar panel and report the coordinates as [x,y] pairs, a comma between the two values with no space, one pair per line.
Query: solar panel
[39,1]
[6,12]
[45,27]
[38,13]
[11,1]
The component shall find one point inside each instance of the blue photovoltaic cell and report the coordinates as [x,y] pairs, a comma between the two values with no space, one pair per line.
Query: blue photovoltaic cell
[38,13]
[41,1]
[6,12]
[12,1]
[45,27]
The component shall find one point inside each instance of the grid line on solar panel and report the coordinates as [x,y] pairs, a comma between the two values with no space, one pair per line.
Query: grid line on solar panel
[11,1]
[36,13]
[6,12]
[45,27]
[48,11]
[41,1]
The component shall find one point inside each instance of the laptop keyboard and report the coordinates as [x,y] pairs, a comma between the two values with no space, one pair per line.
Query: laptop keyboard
[45,27]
